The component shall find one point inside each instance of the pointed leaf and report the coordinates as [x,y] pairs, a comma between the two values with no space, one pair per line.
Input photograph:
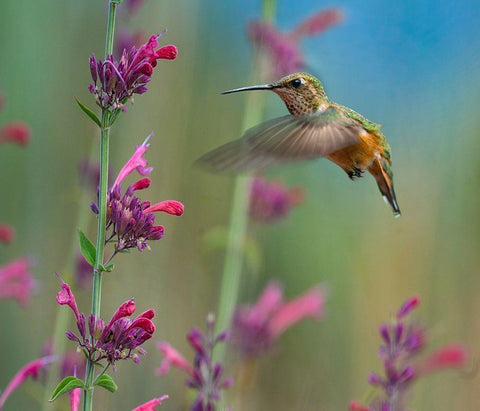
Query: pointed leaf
[87,248]
[89,113]
[66,385]
[107,382]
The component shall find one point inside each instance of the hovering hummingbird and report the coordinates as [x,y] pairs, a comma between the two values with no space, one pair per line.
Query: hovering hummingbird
[317,127]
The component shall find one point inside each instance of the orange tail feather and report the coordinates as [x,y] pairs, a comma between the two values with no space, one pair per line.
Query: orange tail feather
[385,185]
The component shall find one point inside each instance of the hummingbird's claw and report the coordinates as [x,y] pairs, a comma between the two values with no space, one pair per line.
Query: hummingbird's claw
[355,173]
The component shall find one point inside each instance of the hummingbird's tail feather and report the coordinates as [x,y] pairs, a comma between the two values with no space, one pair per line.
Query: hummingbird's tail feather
[235,157]
[385,185]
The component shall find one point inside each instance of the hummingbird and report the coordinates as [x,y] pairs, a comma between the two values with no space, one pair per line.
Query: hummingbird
[316,127]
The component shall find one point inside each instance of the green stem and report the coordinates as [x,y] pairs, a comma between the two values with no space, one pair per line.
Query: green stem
[232,268]
[102,213]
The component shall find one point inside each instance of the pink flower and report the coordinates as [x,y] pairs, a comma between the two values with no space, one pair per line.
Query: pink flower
[172,357]
[255,328]
[450,356]
[136,162]
[408,306]
[271,201]
[114,83]
[130,219]
[75,399]
[170,206]
[150,405]
[7,234]
[66,297]
[283,48]
[16,281]
[16,132]
[120,339]
[32,369]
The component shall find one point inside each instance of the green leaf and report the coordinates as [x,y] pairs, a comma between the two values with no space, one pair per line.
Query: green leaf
[89,113]
[87,248]
[107,382]
[66,385]
[109,268]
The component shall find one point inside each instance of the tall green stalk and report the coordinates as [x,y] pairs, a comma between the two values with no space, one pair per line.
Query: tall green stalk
[232,268]
[102,213]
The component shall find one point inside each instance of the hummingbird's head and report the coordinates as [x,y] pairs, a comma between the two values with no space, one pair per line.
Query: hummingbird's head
[302,93]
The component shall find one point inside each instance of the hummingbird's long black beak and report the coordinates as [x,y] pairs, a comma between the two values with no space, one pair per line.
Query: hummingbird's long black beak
[260,87]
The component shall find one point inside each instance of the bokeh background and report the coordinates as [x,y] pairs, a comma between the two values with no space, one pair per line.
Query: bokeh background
[412,66]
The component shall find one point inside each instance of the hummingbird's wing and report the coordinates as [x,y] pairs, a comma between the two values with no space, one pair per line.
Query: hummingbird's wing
[285,139]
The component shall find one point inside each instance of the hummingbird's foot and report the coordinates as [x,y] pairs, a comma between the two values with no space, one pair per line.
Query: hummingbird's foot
[355,173]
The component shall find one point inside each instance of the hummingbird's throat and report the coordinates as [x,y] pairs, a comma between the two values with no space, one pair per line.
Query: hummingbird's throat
[300,102]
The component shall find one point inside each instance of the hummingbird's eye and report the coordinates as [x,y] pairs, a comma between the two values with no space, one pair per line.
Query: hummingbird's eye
[297,82]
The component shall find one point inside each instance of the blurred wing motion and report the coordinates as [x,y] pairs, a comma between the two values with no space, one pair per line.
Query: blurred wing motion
[284,139]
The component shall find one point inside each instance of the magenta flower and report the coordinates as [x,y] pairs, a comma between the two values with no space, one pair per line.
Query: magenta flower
[116,82]
[283,48]
[205,376]
[150,405]
[75,395]
[16,281]
[130,220]
[120,339]
[16,132]
[402,343]
[7,234]
[32,369]
[255,328]
[270,201]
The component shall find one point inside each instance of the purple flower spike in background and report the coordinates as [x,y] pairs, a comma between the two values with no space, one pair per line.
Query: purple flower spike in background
[116,82]
[402,342]
[256,327]
[120,339]
[271,201]
[131,221]
[205,376]
[283,48]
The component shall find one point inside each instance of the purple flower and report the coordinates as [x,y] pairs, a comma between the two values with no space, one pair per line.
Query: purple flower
[283,48]
[32,369]
[205,376]
[271,201]
[16,281]
[131,221]
[256,327]
[120,339]
[402,343]
[116,82]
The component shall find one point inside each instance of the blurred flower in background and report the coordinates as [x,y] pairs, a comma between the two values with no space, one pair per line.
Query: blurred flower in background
[7,233]
[283,48]
[16,281]
[150,405]
[255,328]
[32,369]
[271,201]
[205,376]
[402,342]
